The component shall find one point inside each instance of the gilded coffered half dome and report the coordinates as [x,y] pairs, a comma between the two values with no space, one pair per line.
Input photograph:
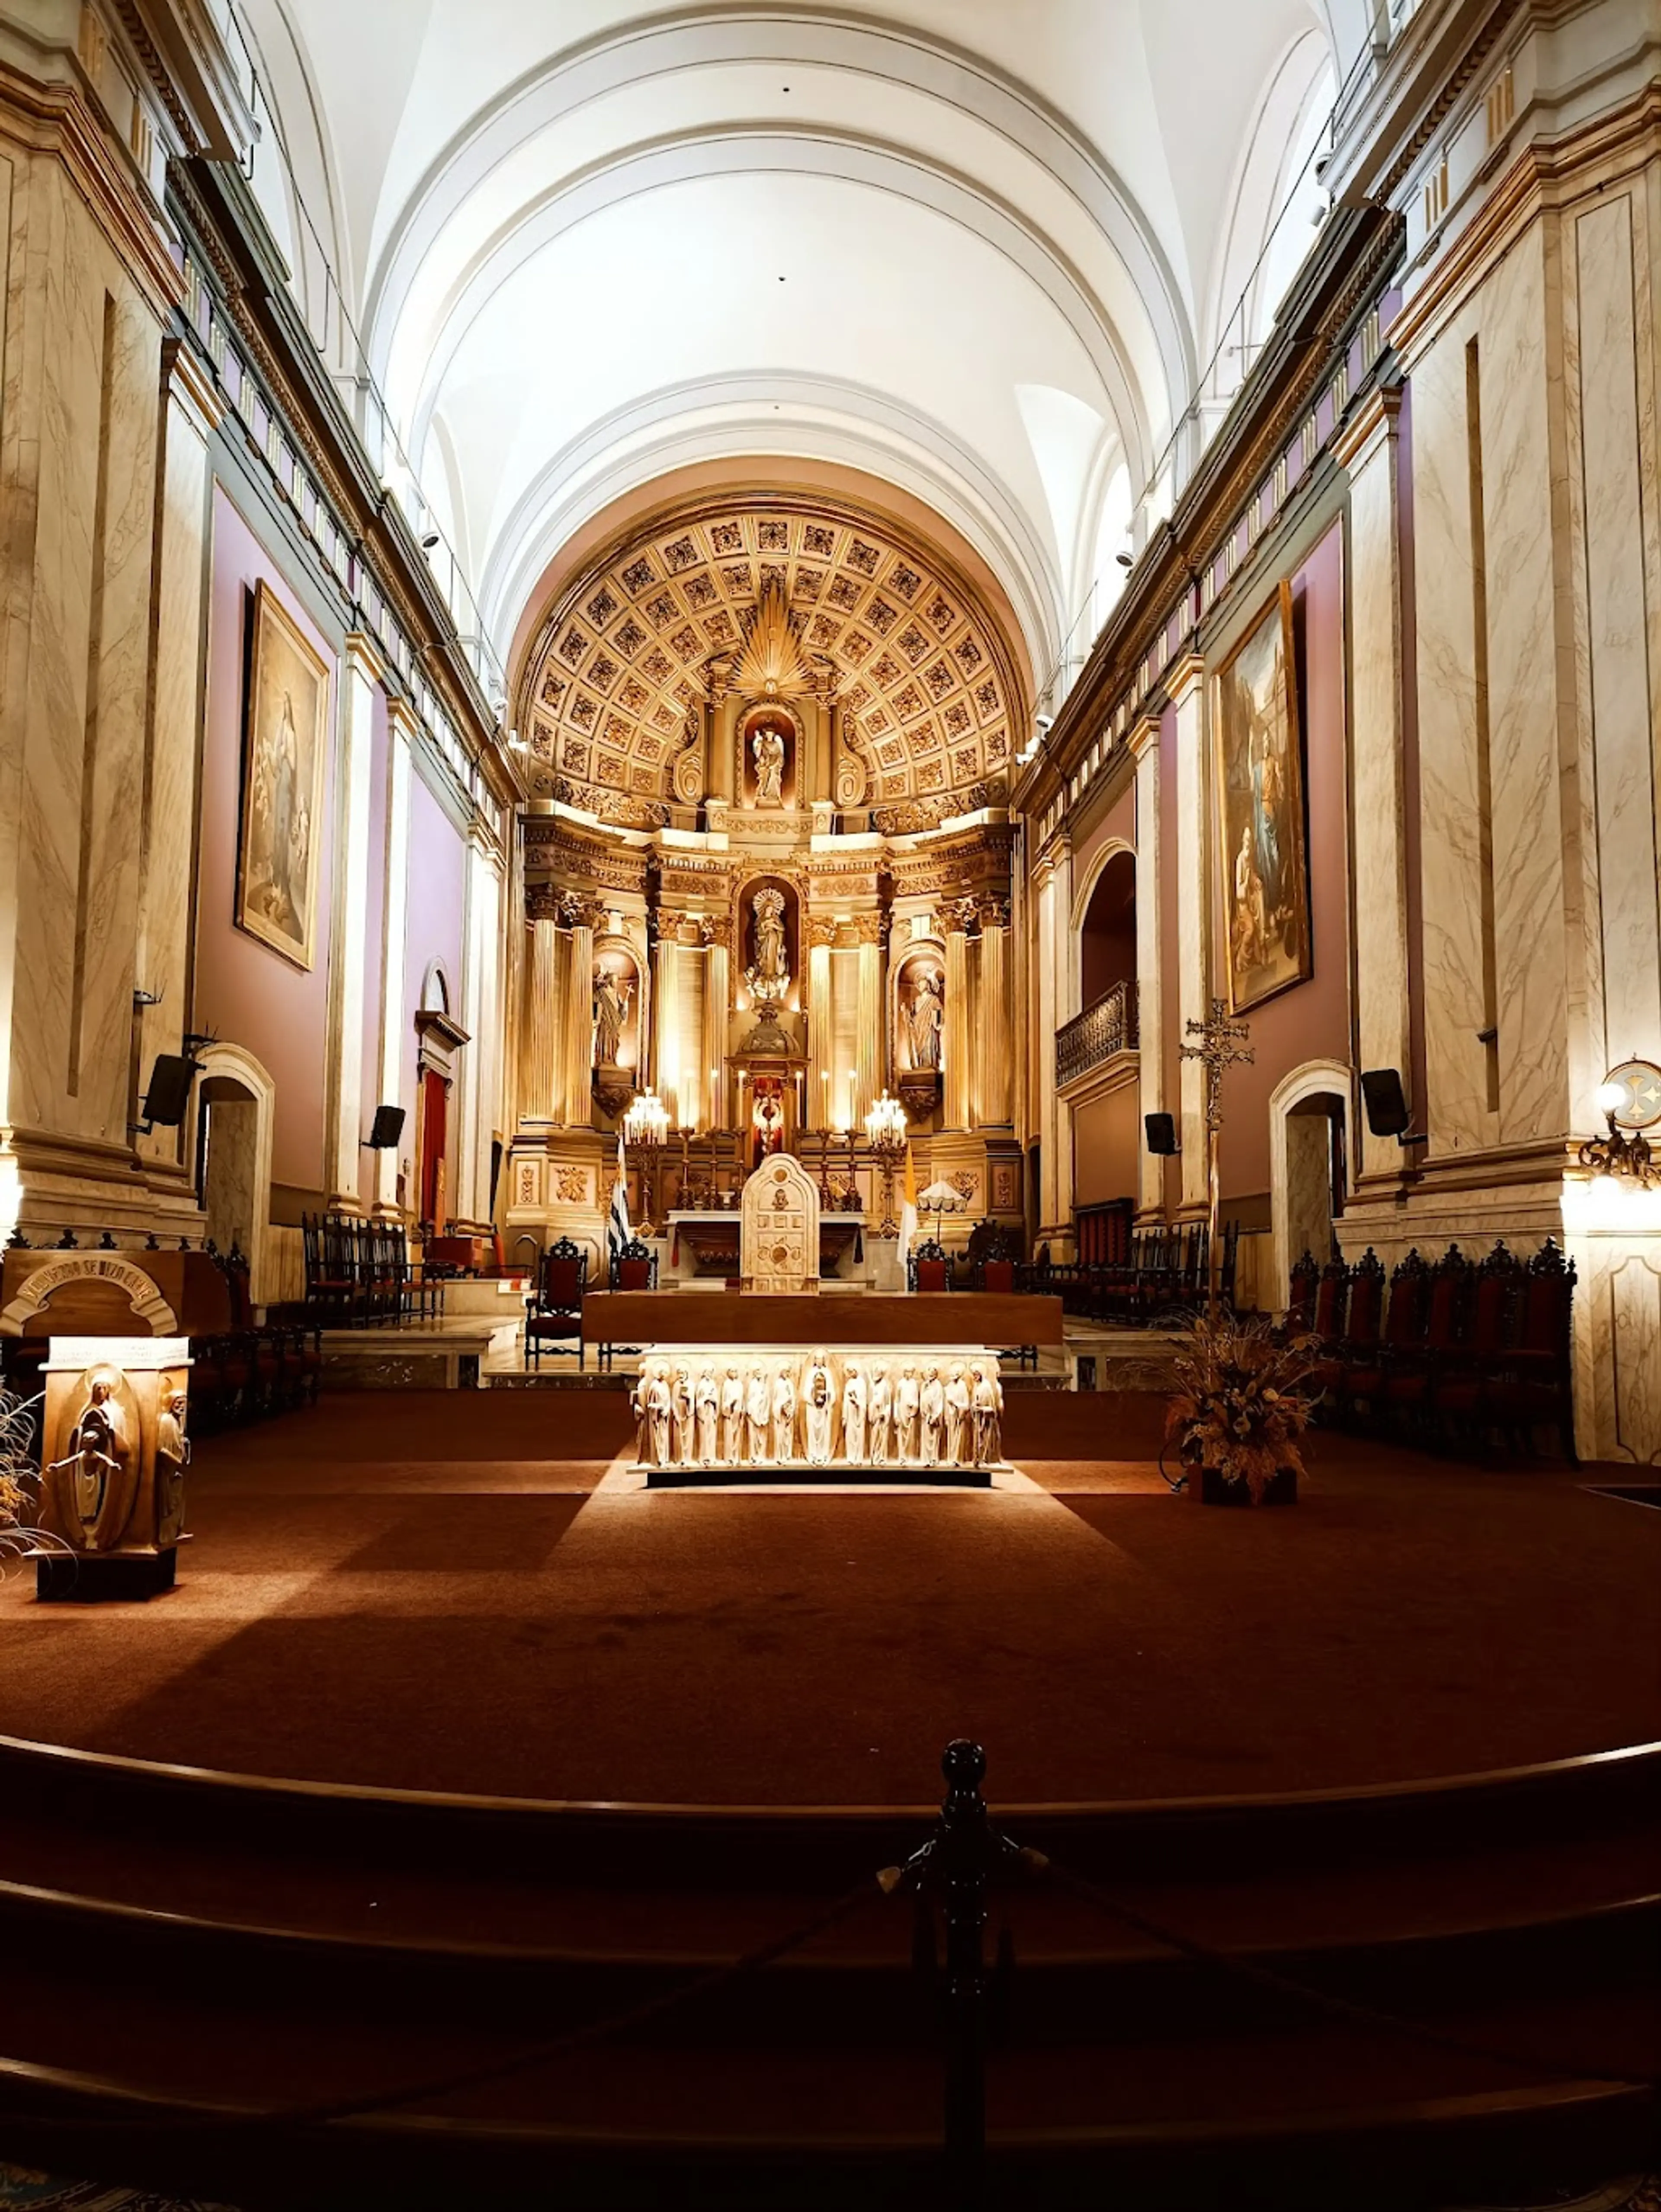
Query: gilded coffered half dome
[621,666]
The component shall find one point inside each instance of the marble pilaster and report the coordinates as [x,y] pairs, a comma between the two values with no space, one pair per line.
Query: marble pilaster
[1144,744]
[717,998]
[400,729]
[821,1047]
[1368,448]
[992,1021]
[361,674]
[669,1079]
[868,1034]
[1187,691]
[957,1059]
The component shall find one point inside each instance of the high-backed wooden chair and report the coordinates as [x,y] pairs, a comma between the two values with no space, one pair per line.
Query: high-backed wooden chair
[929,1269]
[634,1268]
[555,1313]
[1540,1366]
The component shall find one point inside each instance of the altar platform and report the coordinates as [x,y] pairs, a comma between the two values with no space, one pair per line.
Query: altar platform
[970,1318]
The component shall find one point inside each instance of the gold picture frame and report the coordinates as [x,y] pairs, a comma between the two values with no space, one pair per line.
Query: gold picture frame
[285,734]
[1263,832]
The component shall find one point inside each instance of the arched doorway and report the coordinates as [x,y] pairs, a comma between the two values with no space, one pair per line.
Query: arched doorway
[1309,1164]
[234,1102]
[441,1041]
[1107,931]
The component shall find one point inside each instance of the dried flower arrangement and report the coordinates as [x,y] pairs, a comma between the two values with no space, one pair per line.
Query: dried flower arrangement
[19,1538]
[1241,1402]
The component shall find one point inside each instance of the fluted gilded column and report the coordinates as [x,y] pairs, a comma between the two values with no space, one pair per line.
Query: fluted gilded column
[868,1039]
[667,1073]
[579,1024]
[821,1036]
[717,992]
[539,1071]
[992,1027]
[959,1055]
[361,678]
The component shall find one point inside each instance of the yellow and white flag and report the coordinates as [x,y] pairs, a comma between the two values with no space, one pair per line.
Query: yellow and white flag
[909,1210]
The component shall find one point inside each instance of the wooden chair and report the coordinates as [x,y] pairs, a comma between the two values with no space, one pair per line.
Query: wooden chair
[1469,1394]
[1300,1303]
[556,1309]
[927,1267]
[1539,1363]
[1411,1386]
[634,1268]
[1402,1337]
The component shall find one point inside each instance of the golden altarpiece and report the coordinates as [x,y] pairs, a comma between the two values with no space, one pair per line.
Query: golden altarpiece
[767,873]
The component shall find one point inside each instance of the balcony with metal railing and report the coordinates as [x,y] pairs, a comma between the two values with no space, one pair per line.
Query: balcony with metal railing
[1091,1038]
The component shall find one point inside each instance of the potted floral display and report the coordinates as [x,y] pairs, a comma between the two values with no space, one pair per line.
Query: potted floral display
[1242,1401]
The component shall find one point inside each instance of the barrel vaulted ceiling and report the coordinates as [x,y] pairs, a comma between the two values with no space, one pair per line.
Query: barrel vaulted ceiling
[980,249]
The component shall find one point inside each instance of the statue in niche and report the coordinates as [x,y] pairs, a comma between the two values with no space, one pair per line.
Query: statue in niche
[957,1417]
[784,1418]
[931,1406]
[819,1402]
[707,1402]
[879,1410]
[924,1018]
[80,1483]
[660,1405]
[767,749]
[758,1409]
[988,1416]
[611,998]
[732,1417]
[173,1456]
[852,1415]
[769,974]
[906,1402]
[681,1398]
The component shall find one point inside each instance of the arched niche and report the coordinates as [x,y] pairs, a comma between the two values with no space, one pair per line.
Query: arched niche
[756,717]
[744,938]
[1104,926]
[1309,1118]
[923,963]
[616,968]
[236,1112]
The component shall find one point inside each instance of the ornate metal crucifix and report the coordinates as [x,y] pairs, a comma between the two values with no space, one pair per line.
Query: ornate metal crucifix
[1222,1042]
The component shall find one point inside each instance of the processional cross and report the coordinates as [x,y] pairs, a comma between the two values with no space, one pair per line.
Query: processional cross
[1222,1042]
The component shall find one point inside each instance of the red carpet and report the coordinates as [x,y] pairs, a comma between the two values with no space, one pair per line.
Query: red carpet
[437,1592]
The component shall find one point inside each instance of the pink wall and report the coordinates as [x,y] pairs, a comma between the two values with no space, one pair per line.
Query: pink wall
[432,923]
[1312,1021]
[245,993]
[1169,1044]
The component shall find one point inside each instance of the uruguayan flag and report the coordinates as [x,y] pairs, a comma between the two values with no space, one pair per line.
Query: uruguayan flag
[617,1222]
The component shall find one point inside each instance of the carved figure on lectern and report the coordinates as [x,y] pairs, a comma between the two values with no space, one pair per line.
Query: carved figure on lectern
[757,1413]
[173,1456]
[818,1404]
[658,1406]
[88,1489]
[852,1415]
[932,1406]
[708,1401]
[907,1399]
[957,1429]
[881,1407]
[988,1416]
[731,1418]
[784,1417]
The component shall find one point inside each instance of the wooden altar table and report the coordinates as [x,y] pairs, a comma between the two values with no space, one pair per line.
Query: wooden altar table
[942,1317]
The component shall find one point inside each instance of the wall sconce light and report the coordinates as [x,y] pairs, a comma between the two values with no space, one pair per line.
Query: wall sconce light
[1629,1098]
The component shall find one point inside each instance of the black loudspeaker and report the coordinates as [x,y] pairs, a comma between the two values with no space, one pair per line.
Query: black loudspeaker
[387,1129]
[1161,1133]
[1385,1101]
[169,1092]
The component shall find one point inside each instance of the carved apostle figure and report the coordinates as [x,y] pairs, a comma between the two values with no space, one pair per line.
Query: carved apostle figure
[852,1415]
[928,1012]
[611,1012]
[784,1418]
[757,1411]
[770,977]
[658,1405]
[905,1416]
[881,1410]
[708,1401]
[767,749]
[80,1482]
[818,1404]
[932,1407]
[732,1417]
[640,1407]
[957,1434]
[988,1416]
[681,1400]
[173,1456]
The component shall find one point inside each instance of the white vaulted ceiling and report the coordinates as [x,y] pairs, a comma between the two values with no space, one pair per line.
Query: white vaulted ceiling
[980,249]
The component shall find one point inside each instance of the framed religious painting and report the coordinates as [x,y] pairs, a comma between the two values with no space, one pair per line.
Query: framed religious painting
[1262,835]
[284,741]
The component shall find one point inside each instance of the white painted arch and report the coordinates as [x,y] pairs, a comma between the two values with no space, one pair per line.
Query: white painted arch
[233,1063]
[1314,1078]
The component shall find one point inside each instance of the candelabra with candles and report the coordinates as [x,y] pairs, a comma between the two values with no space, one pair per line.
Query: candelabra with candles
[886,1134]
[645,1126]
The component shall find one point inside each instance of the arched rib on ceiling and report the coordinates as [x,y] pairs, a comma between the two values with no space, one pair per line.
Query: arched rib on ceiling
[738,417]
[925,154]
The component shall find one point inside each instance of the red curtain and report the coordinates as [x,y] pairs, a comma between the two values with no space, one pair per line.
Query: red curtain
[434,1132]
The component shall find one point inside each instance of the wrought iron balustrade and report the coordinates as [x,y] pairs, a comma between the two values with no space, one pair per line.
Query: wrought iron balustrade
[1096,1035]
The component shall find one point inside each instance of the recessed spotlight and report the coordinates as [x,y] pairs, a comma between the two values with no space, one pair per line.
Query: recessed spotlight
[430,541]
[1125,559]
